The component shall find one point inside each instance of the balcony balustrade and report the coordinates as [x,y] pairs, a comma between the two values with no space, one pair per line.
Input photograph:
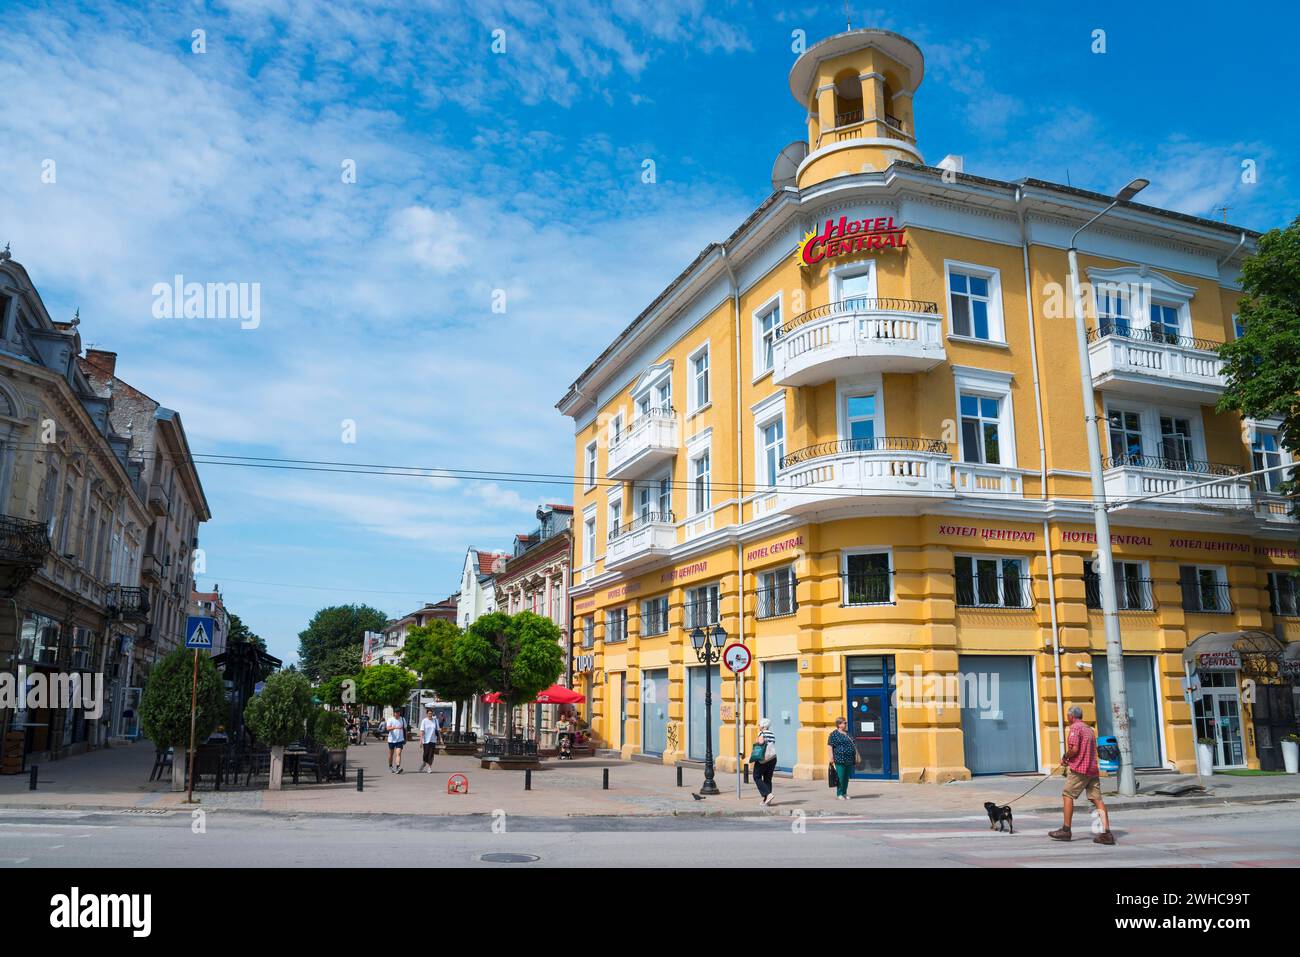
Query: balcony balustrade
[856,336]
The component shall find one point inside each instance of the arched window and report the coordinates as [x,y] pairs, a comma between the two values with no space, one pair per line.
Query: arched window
[887,106]
[848,98]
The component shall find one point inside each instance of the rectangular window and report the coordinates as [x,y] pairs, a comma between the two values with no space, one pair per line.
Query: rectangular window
[588,631]
[992,582]
[970,297]
[700,379]
[772,444]
[776,593]
[1176,443]
[589,540]
[654,500]
[1125,437]
[1164,323]
[1205,589]
[981,421]
[868,579]
[701,607]
[616,430]
[615,519]
[654,616]
[768,323]
[1283,594]
[1132,587]
[615,625]
[590,469]
[860,422]
[1266,452]
[700,483]
[1112,311]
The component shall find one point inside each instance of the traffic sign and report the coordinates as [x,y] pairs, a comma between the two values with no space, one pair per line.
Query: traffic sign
[198,632]
[736,657]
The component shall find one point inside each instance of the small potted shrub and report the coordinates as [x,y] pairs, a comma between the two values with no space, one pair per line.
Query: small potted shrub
[1291,753]
[1205,756]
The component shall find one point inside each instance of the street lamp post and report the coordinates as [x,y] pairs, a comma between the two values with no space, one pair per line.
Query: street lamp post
[708,649]
[1101,520]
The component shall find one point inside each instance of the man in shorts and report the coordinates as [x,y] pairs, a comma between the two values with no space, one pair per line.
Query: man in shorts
[396,739]
[1083,775]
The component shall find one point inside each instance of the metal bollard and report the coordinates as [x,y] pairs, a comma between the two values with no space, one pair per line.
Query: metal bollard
[361,779]
[31,785]
[679,775]
[746,773]
[528,779]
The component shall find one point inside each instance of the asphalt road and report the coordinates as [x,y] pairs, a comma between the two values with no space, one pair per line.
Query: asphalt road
[1266,834]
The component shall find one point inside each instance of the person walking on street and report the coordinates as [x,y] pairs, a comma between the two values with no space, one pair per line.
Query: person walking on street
[843,754]
[429,731]
[396,726]
[1083,775]
[764,758]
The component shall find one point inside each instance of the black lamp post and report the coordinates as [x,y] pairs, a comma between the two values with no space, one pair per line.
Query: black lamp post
[708,649]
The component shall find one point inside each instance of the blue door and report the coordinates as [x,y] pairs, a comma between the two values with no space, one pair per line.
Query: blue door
[872,718]
[781,706]
[654,711]
[695,717]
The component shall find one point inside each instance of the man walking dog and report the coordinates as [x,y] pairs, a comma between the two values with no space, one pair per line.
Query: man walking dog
[1083,774]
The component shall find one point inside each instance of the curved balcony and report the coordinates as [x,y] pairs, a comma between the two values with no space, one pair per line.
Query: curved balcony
[854,336]
[24,546]
[647,538]
[1134,476]
[647,443]
[850,470]
[1155,364]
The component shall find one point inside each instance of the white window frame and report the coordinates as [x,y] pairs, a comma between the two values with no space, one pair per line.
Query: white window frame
[997,313]
[590,535]
[846,554]
[990,384]
[767,581]
[694,406]
[1220,581]
[711,589]
[773,304]
[1146,286]
[654,387]
[1274,428]
[612,615]
[590,464]
[653,600]
[613,512]
[766,413]
[1001,559]
[1144,429]
[1144,574]
[698,447]
[865,267]
[857,387]
[617,429]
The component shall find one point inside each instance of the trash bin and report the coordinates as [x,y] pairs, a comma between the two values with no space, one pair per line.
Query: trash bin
[1108,754]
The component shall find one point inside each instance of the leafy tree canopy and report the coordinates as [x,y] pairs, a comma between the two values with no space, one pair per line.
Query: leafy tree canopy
[277,715]
[429,651]
[241,634]
[339,690]
[516,655]
[1262,365]
[165,704]
[332,643]
[389,685]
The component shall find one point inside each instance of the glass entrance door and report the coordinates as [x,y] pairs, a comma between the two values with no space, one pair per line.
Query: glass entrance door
[871,716]
[1218,717]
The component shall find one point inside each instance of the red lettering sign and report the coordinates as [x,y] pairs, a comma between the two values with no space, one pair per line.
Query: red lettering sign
[846,238]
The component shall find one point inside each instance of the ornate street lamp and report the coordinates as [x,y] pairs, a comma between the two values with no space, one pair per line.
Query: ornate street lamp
[708,649]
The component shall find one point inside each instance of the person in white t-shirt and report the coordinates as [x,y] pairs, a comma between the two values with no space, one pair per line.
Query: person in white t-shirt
[429,731]
[396,726]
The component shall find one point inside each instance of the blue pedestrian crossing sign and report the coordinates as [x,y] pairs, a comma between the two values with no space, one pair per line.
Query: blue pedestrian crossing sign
[198,632]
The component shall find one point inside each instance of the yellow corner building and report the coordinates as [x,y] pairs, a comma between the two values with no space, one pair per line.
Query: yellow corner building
[852,436]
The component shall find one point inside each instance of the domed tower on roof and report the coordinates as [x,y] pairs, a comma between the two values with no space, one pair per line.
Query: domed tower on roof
[857,88]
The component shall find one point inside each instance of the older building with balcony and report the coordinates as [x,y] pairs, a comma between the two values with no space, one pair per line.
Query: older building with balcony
[877,463]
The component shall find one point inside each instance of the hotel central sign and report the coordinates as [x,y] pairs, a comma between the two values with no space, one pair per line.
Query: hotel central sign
[851,236]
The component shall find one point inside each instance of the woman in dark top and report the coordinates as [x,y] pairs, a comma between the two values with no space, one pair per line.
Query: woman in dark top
[843,753]
[763,769]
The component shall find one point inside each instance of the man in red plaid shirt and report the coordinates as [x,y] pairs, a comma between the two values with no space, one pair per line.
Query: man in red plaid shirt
[1083,775]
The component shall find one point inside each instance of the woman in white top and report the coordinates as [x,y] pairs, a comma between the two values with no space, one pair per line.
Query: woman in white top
[763,769]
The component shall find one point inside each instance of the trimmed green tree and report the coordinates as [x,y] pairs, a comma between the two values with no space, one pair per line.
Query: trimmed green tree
[515,655]
[1262,365]
[278,714]
[165,704]
[429,651]
[385,685]
[332,643]
[339,690]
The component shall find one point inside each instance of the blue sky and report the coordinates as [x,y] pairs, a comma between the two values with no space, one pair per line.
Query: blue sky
[479,171]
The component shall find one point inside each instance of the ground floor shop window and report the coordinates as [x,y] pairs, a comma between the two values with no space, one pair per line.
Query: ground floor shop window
[1218,718]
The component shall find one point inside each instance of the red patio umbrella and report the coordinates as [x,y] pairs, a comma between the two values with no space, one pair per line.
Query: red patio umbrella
[555,694]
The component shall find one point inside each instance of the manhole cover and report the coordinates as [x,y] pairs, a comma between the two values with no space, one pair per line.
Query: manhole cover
[509,858]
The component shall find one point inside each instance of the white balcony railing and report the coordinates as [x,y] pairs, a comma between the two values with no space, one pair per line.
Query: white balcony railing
[855,336]
[648,442]
[987,480]
[1137,476]
[835,473]
[1274,509]
[1144,362]
[645,539]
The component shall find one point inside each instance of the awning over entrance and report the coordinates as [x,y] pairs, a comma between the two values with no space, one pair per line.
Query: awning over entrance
[1255,652]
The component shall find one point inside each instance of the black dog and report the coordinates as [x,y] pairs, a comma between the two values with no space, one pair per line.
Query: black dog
[998,815]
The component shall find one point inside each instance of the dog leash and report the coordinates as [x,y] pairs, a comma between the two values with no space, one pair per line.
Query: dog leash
[1036,784]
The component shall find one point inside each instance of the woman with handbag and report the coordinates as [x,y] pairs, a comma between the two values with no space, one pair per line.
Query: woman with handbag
[843,755]
[763,758]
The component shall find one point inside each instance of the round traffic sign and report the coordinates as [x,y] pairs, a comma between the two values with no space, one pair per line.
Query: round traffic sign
[736,657]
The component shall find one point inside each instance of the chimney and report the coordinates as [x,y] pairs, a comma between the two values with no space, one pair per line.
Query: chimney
[102,360]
